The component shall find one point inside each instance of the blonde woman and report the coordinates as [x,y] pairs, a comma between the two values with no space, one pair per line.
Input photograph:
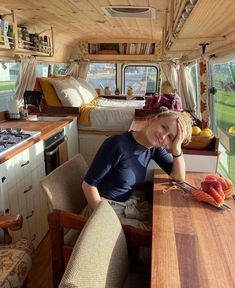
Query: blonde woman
[121,164]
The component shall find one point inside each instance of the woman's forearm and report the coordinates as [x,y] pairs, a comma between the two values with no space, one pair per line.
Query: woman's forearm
[178,170]
[92,195]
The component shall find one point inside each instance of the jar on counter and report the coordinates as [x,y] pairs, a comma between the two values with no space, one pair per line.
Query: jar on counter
[117,91]
[107,91]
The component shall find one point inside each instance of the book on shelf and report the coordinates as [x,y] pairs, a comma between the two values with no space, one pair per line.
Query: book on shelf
[122,48]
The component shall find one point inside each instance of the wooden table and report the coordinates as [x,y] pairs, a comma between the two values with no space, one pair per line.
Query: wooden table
[193,243]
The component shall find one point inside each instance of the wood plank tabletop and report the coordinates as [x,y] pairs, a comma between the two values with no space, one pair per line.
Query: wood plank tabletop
[193,243]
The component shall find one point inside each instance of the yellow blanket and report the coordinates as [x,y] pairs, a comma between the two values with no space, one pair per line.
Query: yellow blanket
[85,111]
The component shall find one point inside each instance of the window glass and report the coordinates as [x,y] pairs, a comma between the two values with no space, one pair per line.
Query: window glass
[8,75]
[60,69]
[223,111]
[101,75]
[142,79]
[42,70]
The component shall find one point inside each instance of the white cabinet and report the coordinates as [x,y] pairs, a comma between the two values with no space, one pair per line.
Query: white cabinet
[20,192]
[71,133]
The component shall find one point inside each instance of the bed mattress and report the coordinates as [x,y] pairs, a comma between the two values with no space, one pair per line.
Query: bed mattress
[113,115]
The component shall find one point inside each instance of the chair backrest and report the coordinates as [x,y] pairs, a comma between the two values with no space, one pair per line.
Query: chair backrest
[63,186]
[32,97]
[100,256]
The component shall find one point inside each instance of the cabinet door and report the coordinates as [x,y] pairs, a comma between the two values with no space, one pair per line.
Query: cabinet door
[71,132]
[22,163]
[40,206]
[8,174]
[36,154]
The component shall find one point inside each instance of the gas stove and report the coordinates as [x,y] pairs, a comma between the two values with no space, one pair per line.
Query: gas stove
[11,139]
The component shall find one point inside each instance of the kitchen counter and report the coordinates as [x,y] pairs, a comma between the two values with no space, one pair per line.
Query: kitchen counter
[45,127]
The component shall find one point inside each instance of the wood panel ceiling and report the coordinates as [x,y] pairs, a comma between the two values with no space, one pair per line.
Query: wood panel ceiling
[211,21]
[84,19]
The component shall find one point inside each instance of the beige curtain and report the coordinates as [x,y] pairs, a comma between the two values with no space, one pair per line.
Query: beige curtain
[26,77]
[73,70]
[83,69]
[168,70]
[78,69]
[187,91]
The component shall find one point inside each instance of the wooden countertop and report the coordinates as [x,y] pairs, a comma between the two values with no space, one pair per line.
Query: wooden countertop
[45,127]
[193,243]
[139,122]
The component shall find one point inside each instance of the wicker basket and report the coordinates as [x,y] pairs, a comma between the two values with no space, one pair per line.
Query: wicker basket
[199,142]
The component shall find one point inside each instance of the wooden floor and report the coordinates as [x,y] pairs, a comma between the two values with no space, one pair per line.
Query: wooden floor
[41,273]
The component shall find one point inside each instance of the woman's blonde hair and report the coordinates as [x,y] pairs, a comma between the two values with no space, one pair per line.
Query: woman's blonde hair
[184,117]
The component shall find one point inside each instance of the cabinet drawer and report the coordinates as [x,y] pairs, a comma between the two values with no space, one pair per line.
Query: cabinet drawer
[22,165]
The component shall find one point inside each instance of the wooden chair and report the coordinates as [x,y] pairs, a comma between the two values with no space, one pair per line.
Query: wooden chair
[63,188]
[100,256]
[16,258]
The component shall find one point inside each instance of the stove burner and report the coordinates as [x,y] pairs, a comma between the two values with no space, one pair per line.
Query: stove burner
[11,139]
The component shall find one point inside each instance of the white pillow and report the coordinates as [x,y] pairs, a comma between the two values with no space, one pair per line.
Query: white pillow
[67,92]
[87,91]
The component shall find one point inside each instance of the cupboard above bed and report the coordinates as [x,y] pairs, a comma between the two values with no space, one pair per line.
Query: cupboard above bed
[120,50]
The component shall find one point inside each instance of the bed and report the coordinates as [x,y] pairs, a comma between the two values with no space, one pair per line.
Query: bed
[95,113]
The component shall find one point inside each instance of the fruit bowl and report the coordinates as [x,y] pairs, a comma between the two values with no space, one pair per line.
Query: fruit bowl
[199,142]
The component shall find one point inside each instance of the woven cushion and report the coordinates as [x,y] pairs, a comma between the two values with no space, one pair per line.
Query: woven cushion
[99,258]
[15,263]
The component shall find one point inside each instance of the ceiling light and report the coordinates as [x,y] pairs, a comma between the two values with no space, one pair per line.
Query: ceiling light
[129,11]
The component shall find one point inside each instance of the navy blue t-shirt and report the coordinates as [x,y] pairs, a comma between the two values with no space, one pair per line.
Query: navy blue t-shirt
[121,163]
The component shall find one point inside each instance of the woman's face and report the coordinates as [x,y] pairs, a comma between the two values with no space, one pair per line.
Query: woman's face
[162,132]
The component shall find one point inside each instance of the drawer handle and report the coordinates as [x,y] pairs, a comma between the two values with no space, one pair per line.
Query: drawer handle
[29,216]
[27,190]
[24,164]
[4,179]
[34,237]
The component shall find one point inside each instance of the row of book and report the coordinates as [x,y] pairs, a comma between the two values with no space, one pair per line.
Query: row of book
[122,48]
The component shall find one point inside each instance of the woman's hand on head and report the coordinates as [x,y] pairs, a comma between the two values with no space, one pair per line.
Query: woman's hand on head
[177,142]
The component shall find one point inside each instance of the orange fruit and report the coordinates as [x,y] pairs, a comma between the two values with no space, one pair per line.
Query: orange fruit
[206,132]
[196,130]
[231,130]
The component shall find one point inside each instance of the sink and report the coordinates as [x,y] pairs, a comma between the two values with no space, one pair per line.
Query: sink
[48,118]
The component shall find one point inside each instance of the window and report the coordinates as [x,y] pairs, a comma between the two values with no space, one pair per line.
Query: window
[42,70]
[143,79]
[8,75]
[60,69]
[223,111]
[101,75]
